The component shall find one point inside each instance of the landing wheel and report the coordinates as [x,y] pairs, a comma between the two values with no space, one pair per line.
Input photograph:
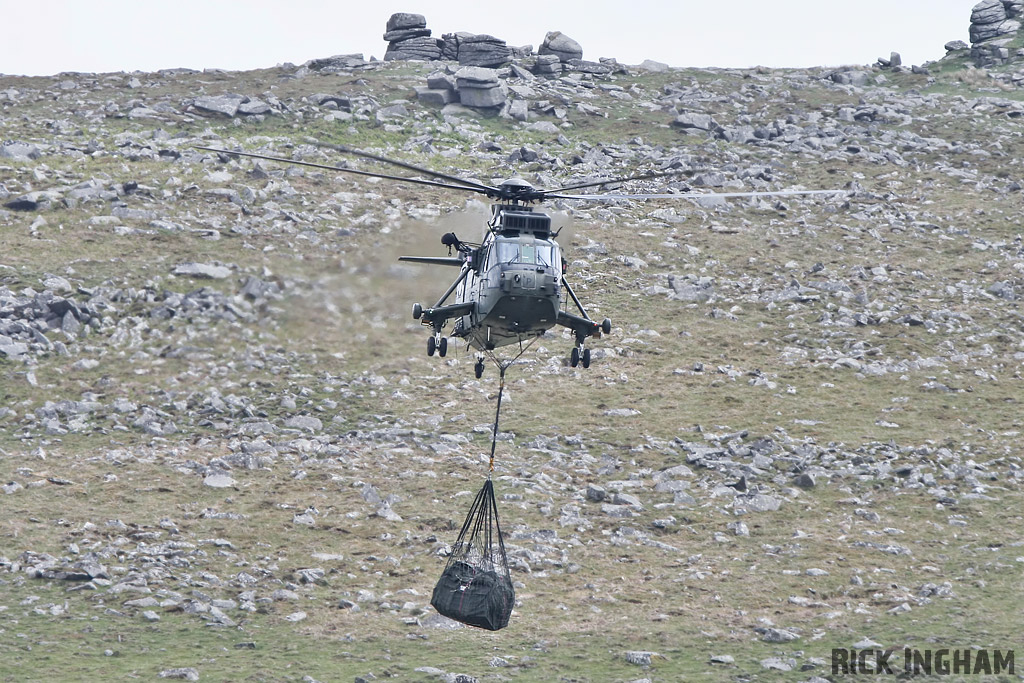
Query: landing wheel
[586,358]
[574,357]
[442,347]
[606,325]
[431,346]
[417,311]
[478,369]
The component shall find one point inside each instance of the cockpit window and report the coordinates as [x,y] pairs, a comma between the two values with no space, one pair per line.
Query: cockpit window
[508,251]
[526,250]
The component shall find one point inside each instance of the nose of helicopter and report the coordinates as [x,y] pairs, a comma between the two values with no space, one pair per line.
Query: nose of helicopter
[529,280]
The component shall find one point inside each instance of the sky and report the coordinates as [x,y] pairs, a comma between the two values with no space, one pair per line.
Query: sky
[46,37]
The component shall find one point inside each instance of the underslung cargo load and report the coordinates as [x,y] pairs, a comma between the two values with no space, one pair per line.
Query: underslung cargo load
[476,587]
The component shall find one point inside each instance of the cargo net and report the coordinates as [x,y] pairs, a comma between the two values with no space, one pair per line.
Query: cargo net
[476,587]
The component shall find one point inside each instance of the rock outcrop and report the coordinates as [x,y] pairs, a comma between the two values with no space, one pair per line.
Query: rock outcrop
[409,38]
[995,24]
[470,49]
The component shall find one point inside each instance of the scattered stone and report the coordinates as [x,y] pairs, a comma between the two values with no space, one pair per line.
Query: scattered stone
[868,644]
[760,503]
[641,658]
[304,422]
[694,121]
[19,151]
[778,635]
[219,481]
[804,481]
[778,664]
[203,270]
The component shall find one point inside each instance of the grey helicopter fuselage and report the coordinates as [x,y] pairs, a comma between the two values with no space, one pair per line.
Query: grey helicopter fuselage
[514,281]
[511,288]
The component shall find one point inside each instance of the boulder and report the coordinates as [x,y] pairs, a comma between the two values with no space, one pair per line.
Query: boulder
[988,12]
[482,50]
[435,97]
[562,46]
[583,66]
[548,65]
[254,107]
[475,77]
[479,87]
[424,47]
[336,63]
[519,110]
[653,66]
[693,120]
[406,20]
[439,80]
[19,151]
[856,78]
[34,201]
[983,32]
[493,96]
[225,105]
[203,270]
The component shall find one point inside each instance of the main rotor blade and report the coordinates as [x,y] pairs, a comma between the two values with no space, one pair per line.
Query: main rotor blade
[341,169]
[411,167]
[659,174]
[694,195]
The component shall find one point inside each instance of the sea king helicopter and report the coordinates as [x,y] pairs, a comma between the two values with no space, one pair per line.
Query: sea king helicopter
[512,286]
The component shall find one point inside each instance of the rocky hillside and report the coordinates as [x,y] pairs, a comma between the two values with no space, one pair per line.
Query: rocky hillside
[226,456]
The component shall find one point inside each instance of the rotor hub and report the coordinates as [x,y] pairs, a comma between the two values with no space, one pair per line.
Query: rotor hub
[517,189]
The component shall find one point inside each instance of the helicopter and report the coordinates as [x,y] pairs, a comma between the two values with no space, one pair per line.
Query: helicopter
[512,285]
